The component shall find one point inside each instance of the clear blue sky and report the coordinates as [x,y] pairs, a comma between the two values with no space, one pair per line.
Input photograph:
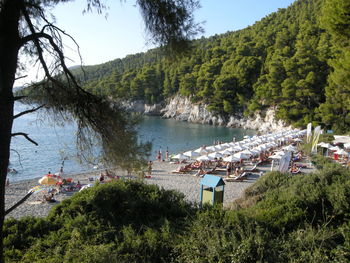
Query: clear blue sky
[122,32]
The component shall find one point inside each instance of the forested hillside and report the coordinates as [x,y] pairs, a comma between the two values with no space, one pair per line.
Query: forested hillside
[284,60]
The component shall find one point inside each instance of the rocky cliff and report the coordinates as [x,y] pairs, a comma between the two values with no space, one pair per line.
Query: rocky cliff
[182,109]
[141,107]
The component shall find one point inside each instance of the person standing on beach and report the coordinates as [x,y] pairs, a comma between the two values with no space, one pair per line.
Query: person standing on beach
[228,169]
[159,157]
[60,173]
[167,154]
[150,167]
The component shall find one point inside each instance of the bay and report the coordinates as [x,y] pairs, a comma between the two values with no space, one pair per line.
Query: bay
[57,143]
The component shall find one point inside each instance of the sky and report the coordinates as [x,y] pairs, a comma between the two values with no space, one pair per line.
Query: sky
[103,38]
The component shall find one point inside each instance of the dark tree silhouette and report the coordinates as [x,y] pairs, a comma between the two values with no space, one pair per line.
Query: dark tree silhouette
[25,27]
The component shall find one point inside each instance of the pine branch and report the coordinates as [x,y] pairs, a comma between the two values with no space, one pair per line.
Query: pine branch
[25,135]
[27,111]
[19,98]
[21,77]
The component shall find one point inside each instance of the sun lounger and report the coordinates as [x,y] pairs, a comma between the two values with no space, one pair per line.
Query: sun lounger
[181,170]
[178,172]
[238,178]
[253,169]
[296,171]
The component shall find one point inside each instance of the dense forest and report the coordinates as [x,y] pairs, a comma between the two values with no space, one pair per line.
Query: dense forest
[288,60]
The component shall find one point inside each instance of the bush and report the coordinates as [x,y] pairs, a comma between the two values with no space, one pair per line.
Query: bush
[303,218]
[119,222]
[292,219]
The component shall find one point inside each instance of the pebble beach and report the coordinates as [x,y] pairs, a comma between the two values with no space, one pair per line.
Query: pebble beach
[162,175]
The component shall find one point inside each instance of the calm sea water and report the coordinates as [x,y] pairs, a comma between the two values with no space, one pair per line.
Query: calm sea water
[56,142]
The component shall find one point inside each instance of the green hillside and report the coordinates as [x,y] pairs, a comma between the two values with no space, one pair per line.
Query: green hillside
[284,60]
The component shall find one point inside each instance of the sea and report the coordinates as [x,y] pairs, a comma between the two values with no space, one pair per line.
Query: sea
[57,142]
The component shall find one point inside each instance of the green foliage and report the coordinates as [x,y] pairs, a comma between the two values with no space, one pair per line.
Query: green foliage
[335,111]
[115,222]
[281,218]
[299,218]
[286,60]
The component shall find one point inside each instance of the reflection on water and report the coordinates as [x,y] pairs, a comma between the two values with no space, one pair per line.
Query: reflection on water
[182,136]
[57,143]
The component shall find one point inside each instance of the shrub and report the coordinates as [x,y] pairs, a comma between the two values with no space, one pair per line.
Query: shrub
[119,222]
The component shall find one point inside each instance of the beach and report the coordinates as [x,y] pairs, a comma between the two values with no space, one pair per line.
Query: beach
[162,175]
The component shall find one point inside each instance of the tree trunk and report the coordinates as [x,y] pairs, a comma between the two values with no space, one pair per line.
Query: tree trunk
[9,47]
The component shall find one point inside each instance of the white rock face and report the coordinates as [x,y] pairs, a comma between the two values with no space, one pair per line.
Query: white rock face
[181,108]
[266,124]
[140,106]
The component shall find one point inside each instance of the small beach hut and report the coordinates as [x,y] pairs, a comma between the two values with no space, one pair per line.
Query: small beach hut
[212,190]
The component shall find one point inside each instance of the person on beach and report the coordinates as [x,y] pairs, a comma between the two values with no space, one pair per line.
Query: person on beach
[49,198]
[228,169]
[159,157]
[60,173]
[167,154]
[78,185]
[150,167]
[102,177]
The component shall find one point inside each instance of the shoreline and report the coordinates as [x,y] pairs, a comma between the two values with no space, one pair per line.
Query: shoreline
[162,176]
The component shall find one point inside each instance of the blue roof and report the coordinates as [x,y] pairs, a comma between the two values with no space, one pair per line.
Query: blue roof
[212,180]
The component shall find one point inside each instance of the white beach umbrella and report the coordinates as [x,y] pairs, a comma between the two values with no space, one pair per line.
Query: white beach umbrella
[262,147]
[219,147]
[191,154]
[273,144]
[180,156]
[256,149]
[247,152]
[225,152]
[232,149]
[335,148]
[275,157]
[255,143]
[231,159]
[211,148]
[290,148]
[255,152]
[204,158]
[215,155]
[241,156]
[201,150]
[326,145]
[280,153]
[226,145]
[238,148]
